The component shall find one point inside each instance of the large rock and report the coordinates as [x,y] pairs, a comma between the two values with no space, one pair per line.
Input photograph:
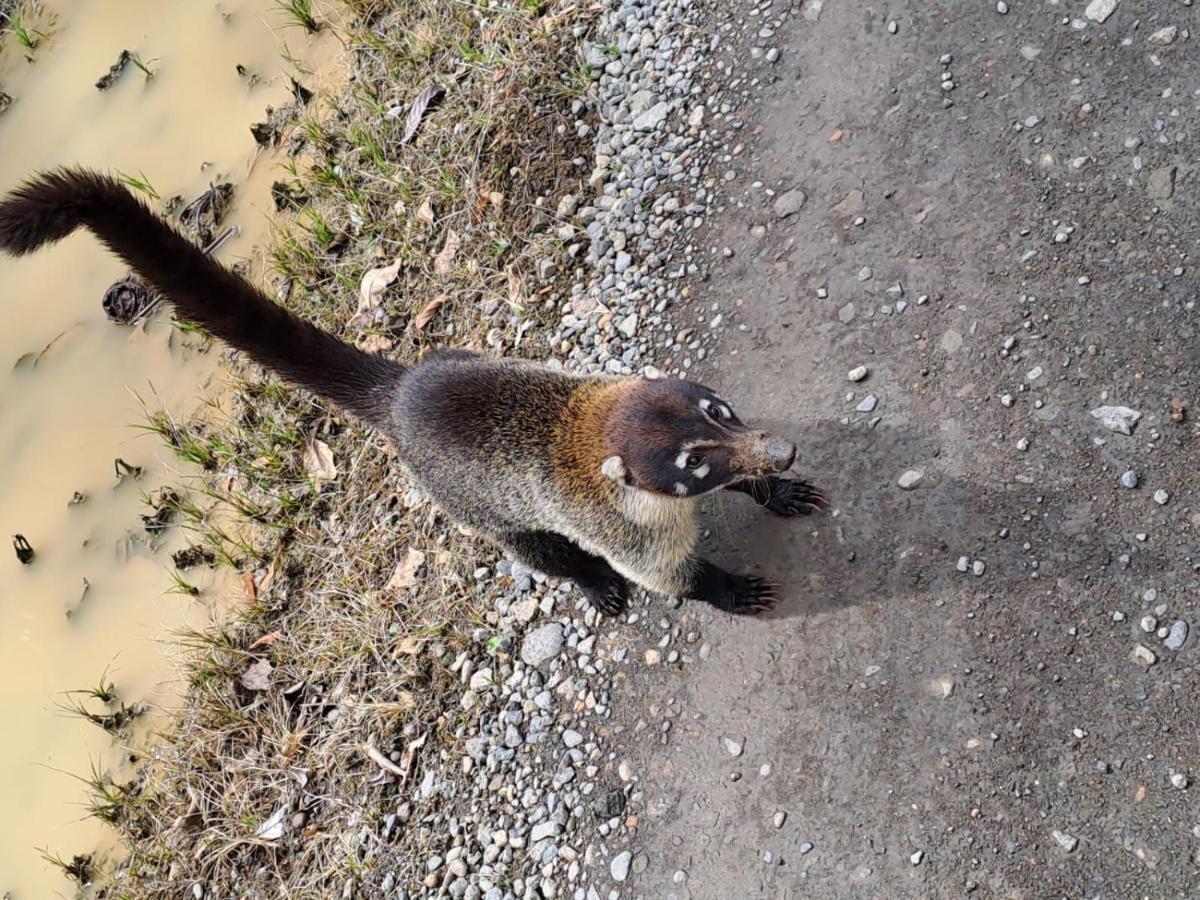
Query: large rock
[1120,419]
[790,203]
[1100,10]
[653,117]
[542,644]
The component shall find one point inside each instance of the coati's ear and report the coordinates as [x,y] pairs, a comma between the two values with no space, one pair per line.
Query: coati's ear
[614,468]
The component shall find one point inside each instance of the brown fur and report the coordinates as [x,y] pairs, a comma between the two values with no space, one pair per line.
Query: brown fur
[581,477]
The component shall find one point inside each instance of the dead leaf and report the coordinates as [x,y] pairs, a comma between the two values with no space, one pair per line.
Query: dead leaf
[417,111]
[444,261]
[370,292]
[496,199]
[272,570]
[425,213]
[272,829]
[376,343]
[318,460]
[266,640]
[410,754]
[425,316]
[249,587]
[258,676]
[405,575]
[836,136]
[516,289]
[408,646]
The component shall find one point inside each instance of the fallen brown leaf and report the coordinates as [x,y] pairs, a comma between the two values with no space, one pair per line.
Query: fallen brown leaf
[408,646]
[417,111]
[370,292]
[444,261]
[405,574]
[425,213]
[318,460]
[258,676]
[425,316]
[249,587]
[266,640]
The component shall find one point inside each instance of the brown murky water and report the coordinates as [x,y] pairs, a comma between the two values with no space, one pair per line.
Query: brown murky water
[66,418]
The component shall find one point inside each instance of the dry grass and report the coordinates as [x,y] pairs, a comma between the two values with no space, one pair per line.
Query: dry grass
[322,658]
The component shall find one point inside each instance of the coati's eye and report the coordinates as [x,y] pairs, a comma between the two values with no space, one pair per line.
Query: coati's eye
[693,461]
[714,411]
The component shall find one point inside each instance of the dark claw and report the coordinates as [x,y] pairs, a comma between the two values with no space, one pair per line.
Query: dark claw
[796,497]
[609,597]
[755,595]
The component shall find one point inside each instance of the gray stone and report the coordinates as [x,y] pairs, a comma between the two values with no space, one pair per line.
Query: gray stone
[1068,842]
[858,373]
[1161,183]
[1143,655]
[1100,10]
[572,738]
[733,746]
[542,644]
[1165,35]
[1120,419]
[619,867]
[1177,636]
[1129,479]
[653,117]
[790,203]
[910,478]
[868,403]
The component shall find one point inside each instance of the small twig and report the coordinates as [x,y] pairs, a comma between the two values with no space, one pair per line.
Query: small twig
[384,763]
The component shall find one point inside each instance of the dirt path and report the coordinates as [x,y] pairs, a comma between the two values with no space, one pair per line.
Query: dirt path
[928,731]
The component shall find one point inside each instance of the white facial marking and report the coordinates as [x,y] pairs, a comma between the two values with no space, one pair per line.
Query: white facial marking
[681,460]
[701,471]
[726,412]
[614,468]
[705,403]
[680,488]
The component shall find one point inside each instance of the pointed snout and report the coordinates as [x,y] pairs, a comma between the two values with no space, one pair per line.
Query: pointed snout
[761,454]
[782,453]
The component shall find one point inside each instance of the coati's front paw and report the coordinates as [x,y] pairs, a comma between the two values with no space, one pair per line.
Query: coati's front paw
[794,497]
[610,596]
[751,595]
[742,595]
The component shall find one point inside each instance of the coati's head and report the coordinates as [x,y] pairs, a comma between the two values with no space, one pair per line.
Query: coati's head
[680,439]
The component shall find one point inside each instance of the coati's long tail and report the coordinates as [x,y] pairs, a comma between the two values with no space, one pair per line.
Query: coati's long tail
[53,204]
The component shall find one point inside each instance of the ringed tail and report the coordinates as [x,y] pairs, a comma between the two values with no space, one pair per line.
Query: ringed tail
[53,204]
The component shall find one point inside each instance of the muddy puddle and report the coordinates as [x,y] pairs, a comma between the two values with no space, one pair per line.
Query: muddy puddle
[96,603]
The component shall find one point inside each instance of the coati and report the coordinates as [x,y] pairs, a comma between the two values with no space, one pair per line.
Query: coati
[592,478]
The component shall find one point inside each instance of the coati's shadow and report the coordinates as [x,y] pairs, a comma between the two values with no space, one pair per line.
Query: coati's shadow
[877,541]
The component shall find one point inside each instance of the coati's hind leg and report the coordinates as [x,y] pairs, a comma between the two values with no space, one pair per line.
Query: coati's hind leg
[784,496]
[556,555]
[745,595]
